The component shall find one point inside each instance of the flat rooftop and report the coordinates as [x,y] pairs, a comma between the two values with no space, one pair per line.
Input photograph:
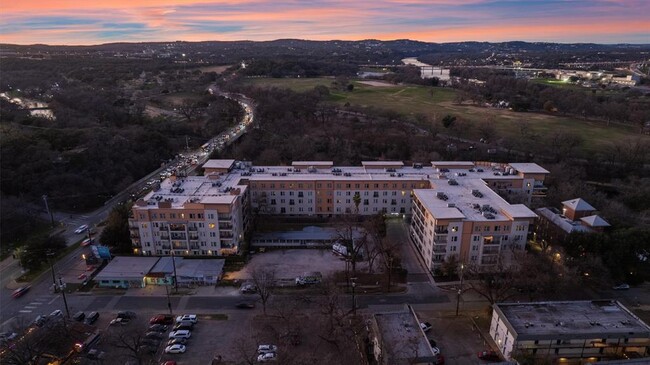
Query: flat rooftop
[469,198]
[528,168]
[127,267]
[572,319]
[195,189]
[218,164]
[402,338]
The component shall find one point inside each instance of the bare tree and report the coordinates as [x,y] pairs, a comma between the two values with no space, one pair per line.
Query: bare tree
[264,281]
[131,342]
[495,283]
[346,231]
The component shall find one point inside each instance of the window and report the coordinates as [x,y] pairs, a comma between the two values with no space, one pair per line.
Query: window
[211,225]
[454,239]
[454,229]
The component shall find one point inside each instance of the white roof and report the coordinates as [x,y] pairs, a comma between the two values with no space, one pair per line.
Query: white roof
[519,211]
[595,221]
[455,163]
[127,267]
[382,163]
[218,164]
[312,163]
[578,205]
[219,199]
[529,168]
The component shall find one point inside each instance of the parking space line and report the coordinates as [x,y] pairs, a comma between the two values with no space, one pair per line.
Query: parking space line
[52,301]
[30,307]
[24,311]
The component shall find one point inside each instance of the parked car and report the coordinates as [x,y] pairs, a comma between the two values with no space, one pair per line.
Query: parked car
[87,242]
[56,313]
[187,317]
[126,314]
[621,287]
[40,320]
[82,276]
[168,363]
[92,318]
[79,316]
[248,288]
[162,319]
[426,326]
[175,349]
[433,343]
[489,355]
[81,228]
[20,291]
[177,341]
[153,334]
[121,321]
[151,341]
[183,326]
[180,334]
[263,349]
[158,328]
[267,357]
[245,305]
[7,336]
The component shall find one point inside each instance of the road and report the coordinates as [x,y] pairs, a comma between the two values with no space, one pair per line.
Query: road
[10,270]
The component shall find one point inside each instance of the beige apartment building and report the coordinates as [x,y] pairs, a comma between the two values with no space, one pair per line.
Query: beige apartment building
[208,215]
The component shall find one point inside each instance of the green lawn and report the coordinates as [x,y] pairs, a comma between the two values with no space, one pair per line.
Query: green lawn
[435,103]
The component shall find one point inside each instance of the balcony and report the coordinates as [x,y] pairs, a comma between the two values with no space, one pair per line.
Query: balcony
[166,247]
[177,227]
[491,251]
[225,226]
[440,249]
[226,234]
[179,236]
[194,247]
[441,230]
[192,228]
[440,241]
[224,217]
[194,237]
[133,225]
[134,235]
[164,237]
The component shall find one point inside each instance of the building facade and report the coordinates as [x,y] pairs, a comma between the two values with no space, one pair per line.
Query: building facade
[554,226]
[462,218]
[573,331]
[209,215]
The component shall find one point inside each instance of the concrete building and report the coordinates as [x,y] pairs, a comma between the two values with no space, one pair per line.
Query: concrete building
[308,237]
[569,332]
[125,272]
[577,215]
[137,272]
[209,215]
[462,216]
[397,339]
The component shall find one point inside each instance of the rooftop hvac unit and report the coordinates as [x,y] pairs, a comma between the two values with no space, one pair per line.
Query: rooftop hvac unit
[451,205]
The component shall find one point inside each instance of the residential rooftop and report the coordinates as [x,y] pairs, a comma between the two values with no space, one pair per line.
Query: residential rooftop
[214,189]
[572,319]
[127,267]
[403,339]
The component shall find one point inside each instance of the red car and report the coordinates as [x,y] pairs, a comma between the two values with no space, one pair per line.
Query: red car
[162,319]
[20,291]
[82,276]
[489,355]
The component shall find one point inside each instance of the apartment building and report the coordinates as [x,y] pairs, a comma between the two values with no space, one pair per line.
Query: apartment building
[191,216]
[208,215]
[554,226]
[571,331]
[462,216]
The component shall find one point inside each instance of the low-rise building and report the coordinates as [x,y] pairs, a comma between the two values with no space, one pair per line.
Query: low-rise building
[571,330]
[125,272]
[397,339]
[577,215]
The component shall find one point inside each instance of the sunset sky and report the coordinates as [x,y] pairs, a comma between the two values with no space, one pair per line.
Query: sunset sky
[102,21]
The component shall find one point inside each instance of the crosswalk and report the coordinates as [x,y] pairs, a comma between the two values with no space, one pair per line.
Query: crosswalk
[37,303]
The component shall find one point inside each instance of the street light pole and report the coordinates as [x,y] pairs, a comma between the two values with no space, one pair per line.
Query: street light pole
[460,289]
[49,212]
[169,303]
[49,256]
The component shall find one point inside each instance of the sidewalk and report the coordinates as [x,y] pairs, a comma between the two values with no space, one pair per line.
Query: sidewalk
[204,291]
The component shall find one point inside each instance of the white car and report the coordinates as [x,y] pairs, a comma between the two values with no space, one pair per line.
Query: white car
[175,349]
[81,228]
[621,287]
[187,318]
[180,334]
[269,356]
[8,336]
[265,349]
[426,326]
[56,313]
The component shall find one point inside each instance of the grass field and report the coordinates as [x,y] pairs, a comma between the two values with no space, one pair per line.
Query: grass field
[438,102]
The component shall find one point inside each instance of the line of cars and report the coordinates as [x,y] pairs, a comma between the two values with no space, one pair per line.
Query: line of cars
[267,353]
[178,336]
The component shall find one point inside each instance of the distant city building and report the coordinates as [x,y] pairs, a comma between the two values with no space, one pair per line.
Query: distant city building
[573,331]
[576,216]
[209,215]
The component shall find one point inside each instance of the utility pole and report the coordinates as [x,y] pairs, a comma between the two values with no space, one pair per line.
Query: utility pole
[187,143]
[169,303]
[460,289]
[354,303]
[65,301]
[174,265]
[49,256]
[47,207]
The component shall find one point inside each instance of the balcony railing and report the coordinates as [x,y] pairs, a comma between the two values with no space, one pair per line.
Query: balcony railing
[440,241]
[441,231]
[191,228]
[440,249]
[491,251]
[164,237]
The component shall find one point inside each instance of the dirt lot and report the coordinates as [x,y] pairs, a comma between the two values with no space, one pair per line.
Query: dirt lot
[288,264]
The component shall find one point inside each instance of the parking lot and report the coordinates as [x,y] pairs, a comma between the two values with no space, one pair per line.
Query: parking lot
[457,337]
[291,263]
